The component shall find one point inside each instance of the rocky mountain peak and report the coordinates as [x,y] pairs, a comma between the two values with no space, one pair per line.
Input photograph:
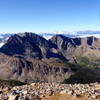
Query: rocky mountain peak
[62,42]
[29,45]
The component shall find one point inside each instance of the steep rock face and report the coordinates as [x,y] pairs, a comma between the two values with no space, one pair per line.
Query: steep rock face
[62,42]
[32,70]
[76,47]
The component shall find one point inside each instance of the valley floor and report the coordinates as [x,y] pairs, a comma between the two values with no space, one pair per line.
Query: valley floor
[52,91]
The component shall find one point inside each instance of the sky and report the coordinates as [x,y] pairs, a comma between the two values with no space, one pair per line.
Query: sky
[49,15]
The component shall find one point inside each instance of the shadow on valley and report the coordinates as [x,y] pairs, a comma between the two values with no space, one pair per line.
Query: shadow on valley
[84,72]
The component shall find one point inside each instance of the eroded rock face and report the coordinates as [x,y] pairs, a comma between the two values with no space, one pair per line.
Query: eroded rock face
[32,70]
[69,47]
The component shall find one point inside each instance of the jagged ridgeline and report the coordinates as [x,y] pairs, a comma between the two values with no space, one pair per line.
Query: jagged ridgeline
[29,57]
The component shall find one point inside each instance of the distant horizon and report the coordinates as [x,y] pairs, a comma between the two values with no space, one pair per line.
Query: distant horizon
[65,31]
[55,32]
[48,35]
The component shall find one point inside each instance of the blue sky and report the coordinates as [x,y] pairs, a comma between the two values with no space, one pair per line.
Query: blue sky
[49,15]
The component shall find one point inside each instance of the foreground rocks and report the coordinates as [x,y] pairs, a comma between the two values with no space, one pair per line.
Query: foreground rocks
[53,91]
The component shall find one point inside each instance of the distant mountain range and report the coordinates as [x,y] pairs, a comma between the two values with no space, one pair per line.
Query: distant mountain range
[72,34]
[5,36]
[29,57]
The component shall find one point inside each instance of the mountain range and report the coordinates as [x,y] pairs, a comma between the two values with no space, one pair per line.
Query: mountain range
[29,57]
[48,35]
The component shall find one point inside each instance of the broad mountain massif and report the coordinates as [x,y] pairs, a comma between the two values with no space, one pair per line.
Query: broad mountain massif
[28,57]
